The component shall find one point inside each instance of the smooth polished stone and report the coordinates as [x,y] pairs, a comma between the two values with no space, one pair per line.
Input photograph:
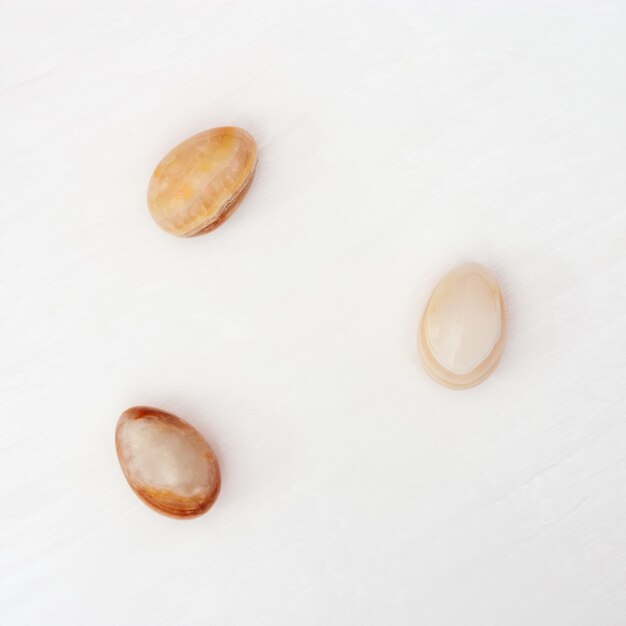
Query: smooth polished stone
[202,180]
[463,328]
[167,463]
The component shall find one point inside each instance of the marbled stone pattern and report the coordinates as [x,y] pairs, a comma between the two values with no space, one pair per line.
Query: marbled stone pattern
[167,463]
[200,182]
[463,327]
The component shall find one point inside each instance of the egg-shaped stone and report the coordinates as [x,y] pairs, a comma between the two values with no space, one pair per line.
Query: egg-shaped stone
[463,327]
[202,180]
[166,461]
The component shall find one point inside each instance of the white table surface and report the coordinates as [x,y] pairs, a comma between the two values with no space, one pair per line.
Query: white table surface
[396,140]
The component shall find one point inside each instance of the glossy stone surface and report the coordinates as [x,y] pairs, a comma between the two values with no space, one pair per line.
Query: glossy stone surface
[463,328]
[202,180]
[166,461]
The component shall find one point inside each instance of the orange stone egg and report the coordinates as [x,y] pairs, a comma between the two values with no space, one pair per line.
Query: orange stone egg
[202,180]
[167,463]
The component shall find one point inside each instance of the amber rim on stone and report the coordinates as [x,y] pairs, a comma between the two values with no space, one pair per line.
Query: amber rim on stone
[166,498]
[200,182]
[486,366]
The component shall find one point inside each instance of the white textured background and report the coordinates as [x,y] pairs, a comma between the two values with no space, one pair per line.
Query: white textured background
[396,140]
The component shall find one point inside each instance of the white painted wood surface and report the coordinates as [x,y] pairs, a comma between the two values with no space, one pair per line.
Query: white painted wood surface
[396,140]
